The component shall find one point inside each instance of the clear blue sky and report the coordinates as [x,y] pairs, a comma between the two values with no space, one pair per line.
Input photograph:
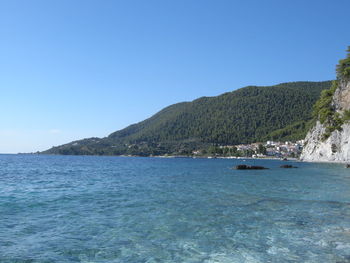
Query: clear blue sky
[71,69]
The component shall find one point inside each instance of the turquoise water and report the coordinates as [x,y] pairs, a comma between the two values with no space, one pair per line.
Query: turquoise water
[118,209]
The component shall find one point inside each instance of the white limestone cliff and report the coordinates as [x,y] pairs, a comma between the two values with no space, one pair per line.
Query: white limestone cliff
[336,148]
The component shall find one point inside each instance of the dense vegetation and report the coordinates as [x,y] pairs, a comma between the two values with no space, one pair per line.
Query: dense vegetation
[325,112]
[246,115]
[324,109]
[343,67]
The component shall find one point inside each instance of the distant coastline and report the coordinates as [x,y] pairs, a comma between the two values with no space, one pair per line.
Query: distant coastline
[250,114]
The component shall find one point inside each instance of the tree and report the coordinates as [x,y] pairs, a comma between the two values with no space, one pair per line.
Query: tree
[262,149]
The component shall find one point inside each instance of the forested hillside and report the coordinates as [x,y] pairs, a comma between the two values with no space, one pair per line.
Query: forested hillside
[245,115]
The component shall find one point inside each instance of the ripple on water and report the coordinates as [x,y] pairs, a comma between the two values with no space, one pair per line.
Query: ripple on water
[112,209]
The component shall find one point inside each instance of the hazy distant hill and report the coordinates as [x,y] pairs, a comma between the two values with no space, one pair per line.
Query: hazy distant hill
[245,115]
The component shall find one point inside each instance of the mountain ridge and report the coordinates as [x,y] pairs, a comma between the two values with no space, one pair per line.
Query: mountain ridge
[244,115]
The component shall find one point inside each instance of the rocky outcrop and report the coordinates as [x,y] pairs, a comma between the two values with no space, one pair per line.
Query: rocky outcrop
[341,98]
[249,167]
[334,149]
[328,140]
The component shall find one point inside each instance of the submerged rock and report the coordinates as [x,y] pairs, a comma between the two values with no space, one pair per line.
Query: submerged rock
[249,167]
[287,166]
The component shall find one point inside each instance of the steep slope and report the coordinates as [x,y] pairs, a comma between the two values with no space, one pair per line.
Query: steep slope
[329,139]
[246,115]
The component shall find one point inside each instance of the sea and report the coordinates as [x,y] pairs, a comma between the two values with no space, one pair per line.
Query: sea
[134,209]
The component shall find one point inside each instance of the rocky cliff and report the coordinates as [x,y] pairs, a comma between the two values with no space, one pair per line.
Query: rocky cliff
[329,139]
[334,149]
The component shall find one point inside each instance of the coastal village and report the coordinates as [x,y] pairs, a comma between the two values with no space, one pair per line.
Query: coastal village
[269,149]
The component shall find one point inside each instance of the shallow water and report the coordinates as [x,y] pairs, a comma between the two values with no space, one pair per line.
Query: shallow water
[118,209]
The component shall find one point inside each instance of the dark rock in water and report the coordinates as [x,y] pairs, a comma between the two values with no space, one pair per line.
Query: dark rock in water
[241,167]
[258,167]
[287,166]
[347,166]
[284,159]
[249,167]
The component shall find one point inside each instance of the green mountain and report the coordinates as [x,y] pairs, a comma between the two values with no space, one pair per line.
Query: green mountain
[250,114]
